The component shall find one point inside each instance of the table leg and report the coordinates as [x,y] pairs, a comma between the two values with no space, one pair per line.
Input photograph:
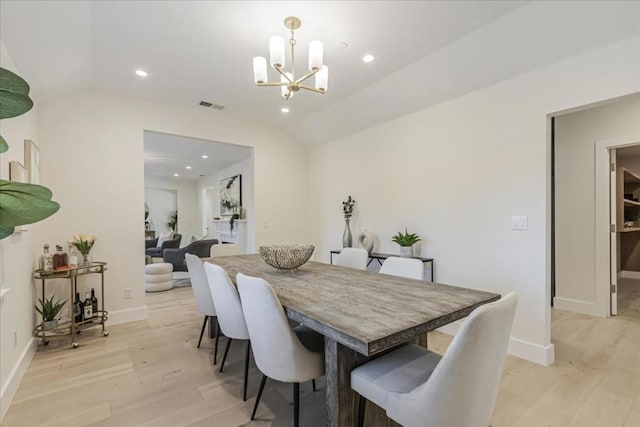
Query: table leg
[342,402]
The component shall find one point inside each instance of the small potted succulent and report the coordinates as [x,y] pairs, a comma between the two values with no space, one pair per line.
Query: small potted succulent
[49,310]
[406,242]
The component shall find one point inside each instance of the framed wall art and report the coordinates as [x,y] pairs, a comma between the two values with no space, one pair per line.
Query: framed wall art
[32,161]
[231,195]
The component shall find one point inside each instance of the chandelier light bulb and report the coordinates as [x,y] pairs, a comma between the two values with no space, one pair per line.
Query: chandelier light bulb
[322,79]
[276,52]
[315,55]
[259,69]
[284,90]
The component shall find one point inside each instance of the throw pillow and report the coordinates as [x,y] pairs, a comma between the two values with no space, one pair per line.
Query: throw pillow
[164,237]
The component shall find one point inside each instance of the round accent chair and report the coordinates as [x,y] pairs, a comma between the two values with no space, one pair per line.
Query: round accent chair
[158,277]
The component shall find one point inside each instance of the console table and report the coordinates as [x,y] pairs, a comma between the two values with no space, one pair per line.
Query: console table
[381,257]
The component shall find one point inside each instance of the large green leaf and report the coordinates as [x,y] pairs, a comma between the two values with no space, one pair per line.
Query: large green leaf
[3,145]
[14,95]
[5,231]
[24,203]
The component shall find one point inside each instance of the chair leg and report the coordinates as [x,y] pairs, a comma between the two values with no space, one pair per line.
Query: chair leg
[204,324]
[246,369]
[255,407]
[226,351]
[296,404]
[313,384]
[215,346]
[212,332]
[362,406]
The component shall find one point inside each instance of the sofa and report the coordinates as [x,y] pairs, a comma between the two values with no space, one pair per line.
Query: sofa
[199,248]
[152,249]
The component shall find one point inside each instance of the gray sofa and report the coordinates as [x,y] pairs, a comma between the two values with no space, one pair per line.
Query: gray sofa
[199,248]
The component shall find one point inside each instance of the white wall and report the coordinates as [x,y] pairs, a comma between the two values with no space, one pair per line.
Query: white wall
[575,136]
[244,168]
[17,261]
[162,204]
[456,173]
[187,205]
[92,143]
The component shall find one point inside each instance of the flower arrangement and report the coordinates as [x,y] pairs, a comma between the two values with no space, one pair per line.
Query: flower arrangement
[83,243]
[347,207]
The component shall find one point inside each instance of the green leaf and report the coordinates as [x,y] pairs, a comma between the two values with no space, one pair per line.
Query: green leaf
[24,203]
[5,232]
[3,145]
[14,95]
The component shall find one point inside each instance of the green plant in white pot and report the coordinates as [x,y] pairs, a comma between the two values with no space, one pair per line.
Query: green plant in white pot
[406,242]
[49,311]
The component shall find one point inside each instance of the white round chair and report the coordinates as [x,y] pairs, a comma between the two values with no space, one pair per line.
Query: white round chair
[353,258]
[411,268]
[158,277]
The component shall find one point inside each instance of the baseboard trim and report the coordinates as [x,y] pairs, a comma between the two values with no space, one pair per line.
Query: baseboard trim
[576,306]
[128,315]
[628,274]
[542,355]
[15,377]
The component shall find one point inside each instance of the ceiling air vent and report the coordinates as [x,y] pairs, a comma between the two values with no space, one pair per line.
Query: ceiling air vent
[210,105]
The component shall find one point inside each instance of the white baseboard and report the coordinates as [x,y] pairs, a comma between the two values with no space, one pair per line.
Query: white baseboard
[542,355]
[129,315]
[576,306]
[628,274]
[15,377]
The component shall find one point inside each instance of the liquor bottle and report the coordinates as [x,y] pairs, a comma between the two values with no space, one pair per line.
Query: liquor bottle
[77,309]
[45,263]
[87,307]
[73,257]
[94,302]
[59,258]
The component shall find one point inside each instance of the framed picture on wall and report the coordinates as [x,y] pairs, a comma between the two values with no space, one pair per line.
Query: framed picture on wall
[231,195]
[17,172]
[32,161]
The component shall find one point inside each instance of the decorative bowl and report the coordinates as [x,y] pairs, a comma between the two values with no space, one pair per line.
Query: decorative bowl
[286,257]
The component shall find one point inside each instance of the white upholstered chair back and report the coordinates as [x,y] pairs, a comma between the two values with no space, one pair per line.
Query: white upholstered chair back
[463,387]
[225,249]
[227,303]
[353,258]
[277,350]
[200,286]
[411,268]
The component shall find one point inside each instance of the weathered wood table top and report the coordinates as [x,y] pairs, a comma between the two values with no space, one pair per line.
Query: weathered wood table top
[365,311]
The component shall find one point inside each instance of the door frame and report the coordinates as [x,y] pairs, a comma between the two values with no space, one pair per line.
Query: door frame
[602,218]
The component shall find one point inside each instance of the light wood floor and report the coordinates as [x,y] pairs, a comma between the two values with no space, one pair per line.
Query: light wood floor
[150,373]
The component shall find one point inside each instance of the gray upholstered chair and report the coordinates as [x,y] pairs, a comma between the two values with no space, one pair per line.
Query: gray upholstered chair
[419,388]
[353,258]
[230,318]
[153,250]
[202,295]
[199,248]
[411,268]
[282,353]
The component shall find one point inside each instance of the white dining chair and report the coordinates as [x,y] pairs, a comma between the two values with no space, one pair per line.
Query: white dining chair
[281,353]
[353,258]
[230,317]
[225,249]
[202,295]
[411,268]
[417,387]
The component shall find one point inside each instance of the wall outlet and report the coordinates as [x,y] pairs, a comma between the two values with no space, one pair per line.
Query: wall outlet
[127,293]
[518,222]
[15,338]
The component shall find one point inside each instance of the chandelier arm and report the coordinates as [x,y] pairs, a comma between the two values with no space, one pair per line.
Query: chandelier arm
[306,76]
[312,89]
[292,42]
[273,84]
[279,69]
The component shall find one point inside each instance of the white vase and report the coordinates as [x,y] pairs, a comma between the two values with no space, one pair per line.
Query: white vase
[406,251]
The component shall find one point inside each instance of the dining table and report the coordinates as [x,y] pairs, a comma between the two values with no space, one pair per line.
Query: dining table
[362,315]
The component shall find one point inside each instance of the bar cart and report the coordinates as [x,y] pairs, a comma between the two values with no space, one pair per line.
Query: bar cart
[71,327]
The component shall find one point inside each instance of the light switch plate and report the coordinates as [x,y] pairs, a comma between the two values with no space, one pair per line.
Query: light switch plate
[518,222]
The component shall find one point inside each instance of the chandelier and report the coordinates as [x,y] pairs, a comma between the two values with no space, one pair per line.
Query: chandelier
[288,82]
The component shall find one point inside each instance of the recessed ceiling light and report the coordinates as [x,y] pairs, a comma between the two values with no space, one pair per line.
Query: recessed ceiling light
[204,156]
[188,167]
[176,174]
[368,58]
[141,73]
[284,110]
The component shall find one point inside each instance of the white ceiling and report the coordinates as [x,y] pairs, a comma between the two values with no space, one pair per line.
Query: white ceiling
[426,51]
[166,154]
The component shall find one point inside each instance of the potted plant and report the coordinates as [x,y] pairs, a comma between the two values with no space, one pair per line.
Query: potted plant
[49,311]
[406,242]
